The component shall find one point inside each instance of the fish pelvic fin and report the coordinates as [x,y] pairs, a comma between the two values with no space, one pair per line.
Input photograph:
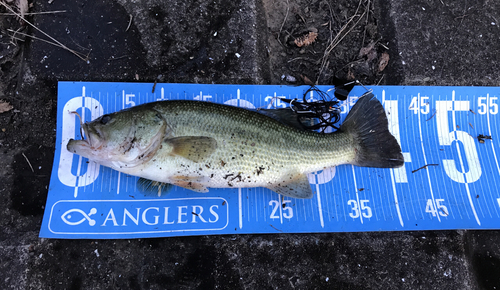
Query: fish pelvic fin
[374,144]
[153,188]
[293,185]
[194,148]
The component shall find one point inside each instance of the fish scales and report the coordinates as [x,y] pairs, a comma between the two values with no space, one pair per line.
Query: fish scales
[250,144]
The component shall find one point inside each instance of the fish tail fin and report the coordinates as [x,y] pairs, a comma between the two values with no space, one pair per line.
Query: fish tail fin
[375,146]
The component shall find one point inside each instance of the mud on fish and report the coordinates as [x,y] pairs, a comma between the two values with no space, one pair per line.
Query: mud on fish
[198,145]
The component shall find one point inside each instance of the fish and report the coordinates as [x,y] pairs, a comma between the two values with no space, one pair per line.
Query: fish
[199,145]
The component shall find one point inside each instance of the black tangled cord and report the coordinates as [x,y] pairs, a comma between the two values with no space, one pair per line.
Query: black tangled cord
[324,112]
[318,115]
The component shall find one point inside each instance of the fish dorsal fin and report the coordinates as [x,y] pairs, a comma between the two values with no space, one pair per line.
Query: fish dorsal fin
[294,185]
[193,183]
[153,188]
[287,117]
[194,148]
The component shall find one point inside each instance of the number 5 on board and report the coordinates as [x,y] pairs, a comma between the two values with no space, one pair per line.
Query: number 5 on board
[447,137]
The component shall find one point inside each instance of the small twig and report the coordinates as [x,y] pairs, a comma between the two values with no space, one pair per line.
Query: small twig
[275,228]
[42,32]
[16,38]
[344,31]
[29,163]
[117,58]
[81,47]
[284,20]
[425,166]
[301,58]
[154,87]
[35,13]
[366,23]
[13,36]
[432,116]
[378,83]
[46,41]
[383,45]
[331,21]
[31,36]
[129,22]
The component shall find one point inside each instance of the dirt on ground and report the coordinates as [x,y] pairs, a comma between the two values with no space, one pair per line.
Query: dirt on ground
[313,42]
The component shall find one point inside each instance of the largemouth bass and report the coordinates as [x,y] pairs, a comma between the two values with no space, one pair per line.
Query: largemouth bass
[197,145]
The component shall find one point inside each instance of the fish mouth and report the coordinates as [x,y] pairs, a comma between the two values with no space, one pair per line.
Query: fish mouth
[77,146]
[90,140]
[92,136]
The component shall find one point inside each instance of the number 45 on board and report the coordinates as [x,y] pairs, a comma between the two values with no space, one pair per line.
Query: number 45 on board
[436,207]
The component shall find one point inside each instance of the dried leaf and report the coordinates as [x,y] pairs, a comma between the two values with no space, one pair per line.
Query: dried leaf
[306,40]
[367,49]
[371,55]
[22,6]
[5,107]
[306,80]
[350,76]
[383,62]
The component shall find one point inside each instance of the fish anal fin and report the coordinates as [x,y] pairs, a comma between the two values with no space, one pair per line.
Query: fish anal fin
[194,148]
[294,185]
[190,182]
[153,188]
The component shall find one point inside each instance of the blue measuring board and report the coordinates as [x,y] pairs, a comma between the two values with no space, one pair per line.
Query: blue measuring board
[449,179]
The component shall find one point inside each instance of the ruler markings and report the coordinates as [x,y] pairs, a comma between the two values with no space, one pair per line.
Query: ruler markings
[440,190]
[489,133]
[392,194]
[320,206]
[425,158]
[475,185]
[347,189]
[247,191]
[446,178]
[402,203]
[392,109]
[461,160]
[418,162]
[328,195]
[396,199]
[358,206]
[486,164]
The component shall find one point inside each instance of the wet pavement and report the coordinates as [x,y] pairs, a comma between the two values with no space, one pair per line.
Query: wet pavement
[428,43]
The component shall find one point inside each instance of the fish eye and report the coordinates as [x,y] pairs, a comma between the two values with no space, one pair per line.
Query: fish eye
[105,119]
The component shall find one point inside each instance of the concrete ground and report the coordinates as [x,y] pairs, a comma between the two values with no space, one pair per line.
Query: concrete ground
[438,42]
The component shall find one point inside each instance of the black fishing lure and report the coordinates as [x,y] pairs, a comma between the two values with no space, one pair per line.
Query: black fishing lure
[316,115]
[324,112]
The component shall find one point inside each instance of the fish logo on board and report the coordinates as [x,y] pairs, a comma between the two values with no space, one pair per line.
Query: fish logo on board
[68,215]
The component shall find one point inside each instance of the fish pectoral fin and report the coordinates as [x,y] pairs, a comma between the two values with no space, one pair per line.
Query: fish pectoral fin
[153,188]
[194,148]
[293,185]
[189,182]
